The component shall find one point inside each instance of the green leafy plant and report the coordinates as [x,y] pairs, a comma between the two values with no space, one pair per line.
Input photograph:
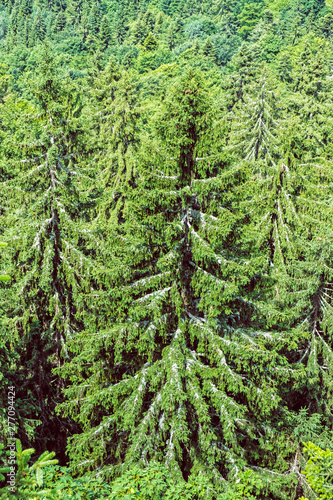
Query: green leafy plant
[28,478]
[65,487]
[156,483]
[319,471]
[3,470]
[46,480]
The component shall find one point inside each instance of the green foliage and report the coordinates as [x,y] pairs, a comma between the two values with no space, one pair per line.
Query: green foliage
[4,277]
[209,50]
[43,479]
[249,17]
[3,470]
[176,354]
[104,32]
[27,478]
[46,255]
[155,482]
[319,471]
[150,42]
[38,28]
[166,196]
[60,22]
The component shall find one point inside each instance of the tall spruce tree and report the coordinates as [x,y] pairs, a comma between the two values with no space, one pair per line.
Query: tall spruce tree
[45,217]
[72,11]
[38,27]
[307,151]
[104,33]
[255,124]
[255,146]
[181,375]
[113,113]
[246,71]
[288,191]
[60,22]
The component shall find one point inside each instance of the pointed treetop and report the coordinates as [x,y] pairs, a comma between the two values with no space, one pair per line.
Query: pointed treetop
[150,42]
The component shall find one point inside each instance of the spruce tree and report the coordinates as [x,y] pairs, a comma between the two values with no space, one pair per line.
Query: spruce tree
[84,18]
[49,257]
[26,7]
[171,35]
[104,33]
[272,223]
[159,23]
[20,32]
[97,115]
[249,17]
[150,43]
[4,277]
[326,25]
[7,357]
[175,7]
[208,50]
[15,18]
[148,20]
[137,31]
[288,173]
[10,39]
[246,66]
[309,108]
[71,12]
[165,6]
[94,20]
[284,67]
[60,22]
[255,124]
[58,5]
[38,27]
[113,112]
[120,28]
[313,6]
[181,374]
[23,33]
[306,147]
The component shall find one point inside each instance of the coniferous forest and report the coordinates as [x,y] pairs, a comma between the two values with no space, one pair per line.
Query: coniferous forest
[166,228]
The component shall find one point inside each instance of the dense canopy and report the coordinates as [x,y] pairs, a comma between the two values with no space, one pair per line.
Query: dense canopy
[166,219]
